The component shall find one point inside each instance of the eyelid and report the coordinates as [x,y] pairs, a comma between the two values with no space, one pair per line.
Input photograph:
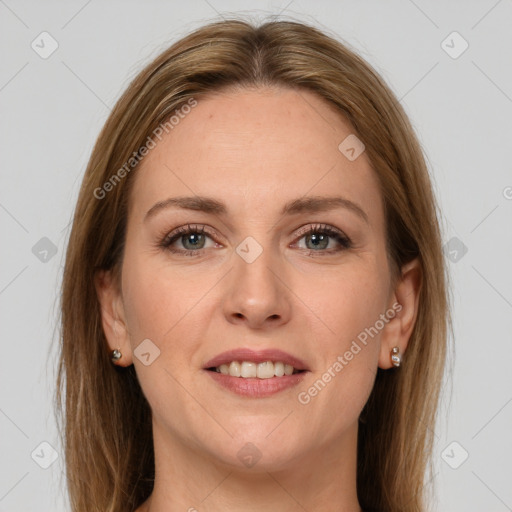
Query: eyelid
[308,228]
[184,230]
[343,240]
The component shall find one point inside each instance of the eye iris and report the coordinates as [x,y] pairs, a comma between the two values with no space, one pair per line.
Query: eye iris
[196,239]
[318,238]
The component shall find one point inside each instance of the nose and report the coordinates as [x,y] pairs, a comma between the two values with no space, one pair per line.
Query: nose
[257,294]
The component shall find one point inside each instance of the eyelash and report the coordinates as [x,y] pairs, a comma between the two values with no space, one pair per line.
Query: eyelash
[317,229]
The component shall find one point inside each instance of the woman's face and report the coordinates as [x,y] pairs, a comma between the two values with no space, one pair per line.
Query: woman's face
[250,276]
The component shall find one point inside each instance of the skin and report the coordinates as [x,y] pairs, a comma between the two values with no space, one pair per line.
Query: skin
[255,150]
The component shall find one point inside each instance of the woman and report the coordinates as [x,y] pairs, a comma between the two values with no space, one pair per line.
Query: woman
[253,307]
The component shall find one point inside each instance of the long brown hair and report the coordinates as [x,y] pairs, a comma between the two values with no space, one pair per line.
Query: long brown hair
[107,421]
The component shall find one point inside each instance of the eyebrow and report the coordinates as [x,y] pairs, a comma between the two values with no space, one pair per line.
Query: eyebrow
[310,204]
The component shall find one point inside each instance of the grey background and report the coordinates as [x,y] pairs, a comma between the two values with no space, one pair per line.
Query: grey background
[52,111]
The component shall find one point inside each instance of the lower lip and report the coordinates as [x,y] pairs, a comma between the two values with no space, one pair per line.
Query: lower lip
[254,387]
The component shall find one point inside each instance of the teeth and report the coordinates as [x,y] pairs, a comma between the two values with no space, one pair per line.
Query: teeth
[234,369]
[265,370]
[279,369]
[248,369]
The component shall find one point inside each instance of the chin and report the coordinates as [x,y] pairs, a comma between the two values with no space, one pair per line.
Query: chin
[259,453]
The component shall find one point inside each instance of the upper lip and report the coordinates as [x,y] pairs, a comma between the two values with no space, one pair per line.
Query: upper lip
[260,356]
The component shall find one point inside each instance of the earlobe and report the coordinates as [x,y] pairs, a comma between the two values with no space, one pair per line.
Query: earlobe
[404,302]
[113,318]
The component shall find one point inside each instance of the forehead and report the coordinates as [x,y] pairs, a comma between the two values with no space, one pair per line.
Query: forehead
[255,149]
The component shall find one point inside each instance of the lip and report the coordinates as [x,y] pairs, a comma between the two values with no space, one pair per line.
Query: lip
[254,387]
[260,356]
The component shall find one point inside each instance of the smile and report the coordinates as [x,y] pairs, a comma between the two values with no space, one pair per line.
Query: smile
[256,373]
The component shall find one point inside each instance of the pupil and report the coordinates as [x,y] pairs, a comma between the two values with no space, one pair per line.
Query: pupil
[193,238]
[318,239]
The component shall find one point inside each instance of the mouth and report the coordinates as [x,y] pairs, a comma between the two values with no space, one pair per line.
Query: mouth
[262,364]
[256,374]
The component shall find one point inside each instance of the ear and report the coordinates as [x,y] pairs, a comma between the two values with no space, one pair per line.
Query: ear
[113,316]
[404,303]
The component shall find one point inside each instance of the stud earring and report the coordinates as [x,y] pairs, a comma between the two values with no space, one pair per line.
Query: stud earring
[396,358]
[116,355]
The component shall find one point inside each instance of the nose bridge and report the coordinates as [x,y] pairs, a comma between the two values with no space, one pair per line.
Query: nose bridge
[256,292]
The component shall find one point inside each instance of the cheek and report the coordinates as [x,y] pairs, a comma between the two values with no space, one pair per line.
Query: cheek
[163,306]
[349,302]
[158,299]
[351,305]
